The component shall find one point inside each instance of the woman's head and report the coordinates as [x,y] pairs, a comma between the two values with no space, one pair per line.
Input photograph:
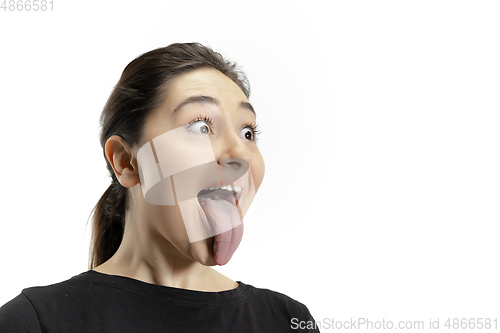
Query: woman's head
[144,104]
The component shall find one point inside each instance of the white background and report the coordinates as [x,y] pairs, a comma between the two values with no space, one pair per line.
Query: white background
[380,133]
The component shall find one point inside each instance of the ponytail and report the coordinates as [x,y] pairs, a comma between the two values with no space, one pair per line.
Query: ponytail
[108,224]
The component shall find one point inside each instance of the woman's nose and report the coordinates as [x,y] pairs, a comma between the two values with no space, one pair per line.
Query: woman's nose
[234,158]
[232,169]
[231,162]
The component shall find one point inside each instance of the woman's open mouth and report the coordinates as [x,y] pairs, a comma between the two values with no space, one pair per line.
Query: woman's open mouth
[231,193]
[222,219]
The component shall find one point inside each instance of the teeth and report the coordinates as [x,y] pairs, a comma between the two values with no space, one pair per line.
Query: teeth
[232,188]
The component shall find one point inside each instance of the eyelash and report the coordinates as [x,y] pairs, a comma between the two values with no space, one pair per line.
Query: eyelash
[253,126]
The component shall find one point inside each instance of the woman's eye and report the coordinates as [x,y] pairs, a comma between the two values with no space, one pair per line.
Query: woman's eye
[200,127]
[247,134]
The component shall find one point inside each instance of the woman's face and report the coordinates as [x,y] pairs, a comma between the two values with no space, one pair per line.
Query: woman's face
[202,136]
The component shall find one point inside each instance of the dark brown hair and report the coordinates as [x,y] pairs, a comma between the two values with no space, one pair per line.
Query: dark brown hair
[140,90]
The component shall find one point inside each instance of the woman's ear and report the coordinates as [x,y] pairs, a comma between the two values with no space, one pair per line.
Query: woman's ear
[123,162]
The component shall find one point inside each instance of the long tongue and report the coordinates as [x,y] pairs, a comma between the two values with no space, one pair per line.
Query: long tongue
[228,227]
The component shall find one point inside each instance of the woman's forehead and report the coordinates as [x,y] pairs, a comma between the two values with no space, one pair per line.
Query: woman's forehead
[204,82]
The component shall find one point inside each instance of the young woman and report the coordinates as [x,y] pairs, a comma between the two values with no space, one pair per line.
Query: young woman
[179,139]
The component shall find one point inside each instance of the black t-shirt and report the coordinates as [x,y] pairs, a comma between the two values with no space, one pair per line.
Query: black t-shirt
[97,302]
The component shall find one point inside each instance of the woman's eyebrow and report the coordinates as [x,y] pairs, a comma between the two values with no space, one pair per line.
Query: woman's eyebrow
[249,107]
[213,101]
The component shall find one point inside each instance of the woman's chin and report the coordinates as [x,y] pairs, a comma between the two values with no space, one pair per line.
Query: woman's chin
[202,251]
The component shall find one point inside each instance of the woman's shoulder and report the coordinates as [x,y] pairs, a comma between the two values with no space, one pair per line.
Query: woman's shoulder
[74,284]
[19,314]
[22,311]
[274,299]
[276,310]
[64,290]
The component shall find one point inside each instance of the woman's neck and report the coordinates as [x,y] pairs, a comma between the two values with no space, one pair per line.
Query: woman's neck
[149,257]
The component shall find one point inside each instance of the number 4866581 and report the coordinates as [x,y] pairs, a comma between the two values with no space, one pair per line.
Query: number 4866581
[27,5]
